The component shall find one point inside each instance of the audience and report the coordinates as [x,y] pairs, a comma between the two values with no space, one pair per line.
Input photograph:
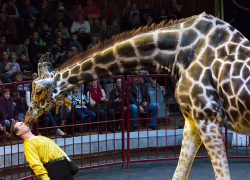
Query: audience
[45,27]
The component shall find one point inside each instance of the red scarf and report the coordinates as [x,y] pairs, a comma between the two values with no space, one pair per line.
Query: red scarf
[95,96]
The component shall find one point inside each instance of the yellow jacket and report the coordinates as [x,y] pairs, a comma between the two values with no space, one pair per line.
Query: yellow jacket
[38,151]
[67,103]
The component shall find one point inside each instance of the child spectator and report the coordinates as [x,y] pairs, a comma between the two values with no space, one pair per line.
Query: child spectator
[107,12]
[162,16]
[74,42]
[6,109]
[91,12]
[58,50]
[20,108]
[18,77]
[24,47]
[104,30]
[46,33]
[63,29]
[25,66]
[12,66]
[133,10]
[34,76]
[145,12]
[93,43]
[134,22]
[114,29]
[3,46]
[80,101]
[63,110]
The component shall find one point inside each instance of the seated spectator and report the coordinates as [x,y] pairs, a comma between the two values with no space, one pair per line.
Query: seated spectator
[98,104]
[3,45]
[63,29]
[27,11]
[79,11]
[6,109]
[12,12]
[133,10]
[162,16]
[96,30]
[107,12]
[61,14]
[145,12]
[74,42]
[34,76]
[104,30]
[47,14]
[24,47]
[59,34]
[80,103]
[29,29]
[115,100]
[8,28]
[25,66]
[46,33]
[4,72]
[18,77]
[134,22]
[92,12]
[125,16]
[175,10]
[150,20]
[114,29]
[74,50]
[82,28]
[19,104]
[35,48]
[80,25]
[93,43]
[12,66]
[140,101]
[63,110]
[58,50]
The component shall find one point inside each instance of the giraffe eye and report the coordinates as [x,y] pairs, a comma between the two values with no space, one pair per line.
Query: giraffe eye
[39,92]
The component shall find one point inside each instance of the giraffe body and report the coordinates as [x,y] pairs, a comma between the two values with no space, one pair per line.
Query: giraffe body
[211,63]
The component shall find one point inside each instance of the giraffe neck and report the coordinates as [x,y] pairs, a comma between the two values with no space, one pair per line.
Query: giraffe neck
[171,48]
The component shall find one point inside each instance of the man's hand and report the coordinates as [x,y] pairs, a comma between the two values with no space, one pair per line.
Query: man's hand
[144,104]
[141,109]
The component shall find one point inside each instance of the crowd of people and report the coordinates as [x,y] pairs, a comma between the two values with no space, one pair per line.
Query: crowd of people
[30,30]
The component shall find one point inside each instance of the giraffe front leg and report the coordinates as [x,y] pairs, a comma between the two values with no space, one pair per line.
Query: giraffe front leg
[190,144]
[211,135]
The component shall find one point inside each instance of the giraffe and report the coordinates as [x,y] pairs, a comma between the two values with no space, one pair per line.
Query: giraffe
[210,60]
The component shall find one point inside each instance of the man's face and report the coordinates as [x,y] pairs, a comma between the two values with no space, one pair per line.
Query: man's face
[59,34]
[3,40]
[22,128]
[2,17]
[35,36]
[74,50]
[6,95]
[153,84]
[136,80]
[76,89]
[119,83]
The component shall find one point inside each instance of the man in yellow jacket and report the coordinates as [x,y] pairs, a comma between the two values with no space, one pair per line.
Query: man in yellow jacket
[45,157]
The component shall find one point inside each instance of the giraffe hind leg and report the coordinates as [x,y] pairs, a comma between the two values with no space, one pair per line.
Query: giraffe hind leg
[190,145]
[211,135]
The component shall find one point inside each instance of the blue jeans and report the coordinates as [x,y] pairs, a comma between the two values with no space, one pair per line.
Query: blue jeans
[152,109]
[46,120]
[86,112]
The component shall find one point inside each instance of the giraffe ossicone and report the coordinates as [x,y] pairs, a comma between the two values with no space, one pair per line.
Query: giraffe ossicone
[210,61]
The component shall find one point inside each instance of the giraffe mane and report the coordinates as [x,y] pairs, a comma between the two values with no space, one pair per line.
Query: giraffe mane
[116,39]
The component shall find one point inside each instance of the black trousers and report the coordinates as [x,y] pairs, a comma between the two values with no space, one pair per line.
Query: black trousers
[59,170]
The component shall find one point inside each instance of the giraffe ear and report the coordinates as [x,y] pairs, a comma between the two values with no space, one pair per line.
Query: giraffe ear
[45,82]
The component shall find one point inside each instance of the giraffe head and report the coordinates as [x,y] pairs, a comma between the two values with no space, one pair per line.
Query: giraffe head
[44,92]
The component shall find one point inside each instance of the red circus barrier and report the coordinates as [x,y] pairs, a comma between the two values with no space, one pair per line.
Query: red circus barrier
[91,149]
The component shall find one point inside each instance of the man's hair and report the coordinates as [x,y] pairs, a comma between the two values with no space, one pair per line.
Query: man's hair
[4,90]
[14,130]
